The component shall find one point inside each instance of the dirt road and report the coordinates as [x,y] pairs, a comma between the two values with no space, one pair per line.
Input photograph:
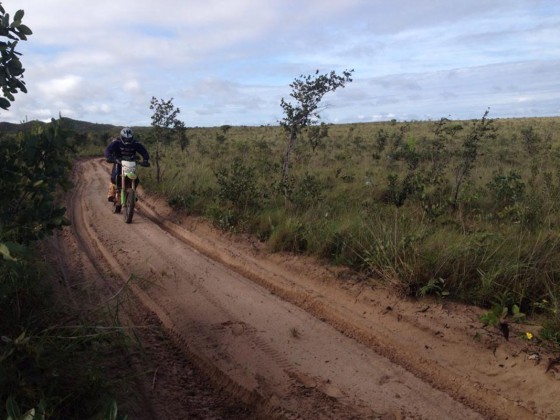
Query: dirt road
[237,332]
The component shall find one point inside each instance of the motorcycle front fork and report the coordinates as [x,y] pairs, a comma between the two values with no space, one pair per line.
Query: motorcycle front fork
[121,195]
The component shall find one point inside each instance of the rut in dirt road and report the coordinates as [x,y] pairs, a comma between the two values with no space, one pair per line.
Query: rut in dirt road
[290,348]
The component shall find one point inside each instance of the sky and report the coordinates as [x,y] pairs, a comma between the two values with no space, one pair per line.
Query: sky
[232,61]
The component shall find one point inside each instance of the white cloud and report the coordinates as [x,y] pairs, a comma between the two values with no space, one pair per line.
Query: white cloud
[231,61]
[98,108]
[131,85]
[60,88]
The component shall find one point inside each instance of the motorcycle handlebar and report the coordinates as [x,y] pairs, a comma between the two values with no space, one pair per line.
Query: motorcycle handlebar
[144,163]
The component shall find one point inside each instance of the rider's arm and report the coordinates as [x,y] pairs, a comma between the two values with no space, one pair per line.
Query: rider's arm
[109,151]
[142,150]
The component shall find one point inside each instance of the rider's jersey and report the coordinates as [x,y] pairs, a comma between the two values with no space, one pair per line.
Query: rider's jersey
[118,149]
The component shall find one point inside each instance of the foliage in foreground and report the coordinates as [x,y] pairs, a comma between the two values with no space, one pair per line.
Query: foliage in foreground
[52,363]
[49,360]
[11,69]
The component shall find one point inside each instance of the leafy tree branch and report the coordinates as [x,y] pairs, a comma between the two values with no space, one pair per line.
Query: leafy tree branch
[307,93]
[11,68]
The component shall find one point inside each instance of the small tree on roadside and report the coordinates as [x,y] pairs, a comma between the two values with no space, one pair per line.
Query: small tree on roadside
[166,124]
[480,130]
[307,92]
[11,69]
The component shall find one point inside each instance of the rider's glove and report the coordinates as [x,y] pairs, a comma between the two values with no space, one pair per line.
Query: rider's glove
[111,160]
[145,163]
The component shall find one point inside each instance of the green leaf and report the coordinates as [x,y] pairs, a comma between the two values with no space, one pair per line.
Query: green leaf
[23,29]
[489,318]
[19,15]
[22,339]
[504,312]
[112,410]
[517,314]
[6,20]
[29,415]
[12,408]
[5,252]
[4,103]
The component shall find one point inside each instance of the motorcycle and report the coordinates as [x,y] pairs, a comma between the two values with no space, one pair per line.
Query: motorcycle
[127,181]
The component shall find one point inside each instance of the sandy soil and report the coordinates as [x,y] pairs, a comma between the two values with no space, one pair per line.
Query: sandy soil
[232,331]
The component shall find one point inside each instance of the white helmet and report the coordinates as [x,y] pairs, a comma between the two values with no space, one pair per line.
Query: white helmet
[127,136]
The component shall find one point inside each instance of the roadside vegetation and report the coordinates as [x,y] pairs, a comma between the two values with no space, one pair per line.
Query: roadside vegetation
[53,360]
[463,210]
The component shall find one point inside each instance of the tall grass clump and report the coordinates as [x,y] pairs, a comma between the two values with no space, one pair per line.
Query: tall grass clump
[52,363]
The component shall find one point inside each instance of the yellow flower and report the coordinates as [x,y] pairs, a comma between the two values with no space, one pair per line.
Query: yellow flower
[529,335]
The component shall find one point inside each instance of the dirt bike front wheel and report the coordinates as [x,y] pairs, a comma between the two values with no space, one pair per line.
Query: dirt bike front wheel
[129,205]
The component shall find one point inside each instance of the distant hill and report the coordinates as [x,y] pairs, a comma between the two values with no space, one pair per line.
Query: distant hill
[87,127]
[74,125]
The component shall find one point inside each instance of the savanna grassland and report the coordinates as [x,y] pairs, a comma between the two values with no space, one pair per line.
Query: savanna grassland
[464,210]
[461,210]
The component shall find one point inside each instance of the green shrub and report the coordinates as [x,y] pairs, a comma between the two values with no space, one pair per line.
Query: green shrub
[507,191]
[290,236]
[237,187]
[48,369]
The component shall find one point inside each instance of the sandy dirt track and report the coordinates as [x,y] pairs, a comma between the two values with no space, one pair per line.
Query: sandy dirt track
[237,332]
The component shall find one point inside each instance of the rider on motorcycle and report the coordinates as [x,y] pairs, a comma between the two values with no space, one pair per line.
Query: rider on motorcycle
[124,147]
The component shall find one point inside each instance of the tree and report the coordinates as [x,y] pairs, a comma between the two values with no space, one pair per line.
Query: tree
[34,166]
[307,91]
[11,69]
[166,123]
[480,130]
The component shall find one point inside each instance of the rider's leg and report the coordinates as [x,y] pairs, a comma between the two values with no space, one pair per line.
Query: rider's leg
[112,186]
[112,191]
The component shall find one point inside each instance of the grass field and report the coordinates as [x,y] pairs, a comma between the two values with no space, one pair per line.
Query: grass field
[466,210]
